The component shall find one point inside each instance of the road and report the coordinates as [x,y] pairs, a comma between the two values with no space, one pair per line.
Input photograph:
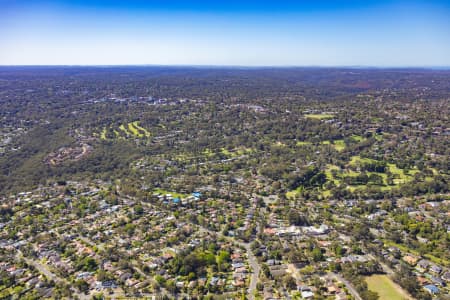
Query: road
[350,287]
[255,270]
[40,267]
[50,275]
[253,262]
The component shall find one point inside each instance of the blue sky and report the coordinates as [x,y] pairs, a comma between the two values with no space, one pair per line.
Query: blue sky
[252,33]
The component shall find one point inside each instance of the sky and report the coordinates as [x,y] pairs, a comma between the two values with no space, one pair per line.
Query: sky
[215,32]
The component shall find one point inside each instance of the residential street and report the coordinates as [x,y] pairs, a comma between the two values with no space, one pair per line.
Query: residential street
[350,288]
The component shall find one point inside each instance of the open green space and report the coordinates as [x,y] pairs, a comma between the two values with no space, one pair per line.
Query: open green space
[139,128]
[385,288]
[336,175]
[236,152]
[360,160]
[339,145]
[319,116]
[103,134]
[134,130]
[165,192]
[294,193]
[128,130]
[358,138]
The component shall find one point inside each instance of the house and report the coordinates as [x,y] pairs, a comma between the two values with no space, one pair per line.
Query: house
[412,260]
[235,255]
[108,284]
[278,271]
[239,282]
[432,289]
[393,249]
[202,281]
[423,265]
[436,269]
[341,296]
[422,280]
[273,262]
[125,276]
[437,281]
[332,289]
[237,265]
[192,284]
[307,294]
[446,276]
[214,280]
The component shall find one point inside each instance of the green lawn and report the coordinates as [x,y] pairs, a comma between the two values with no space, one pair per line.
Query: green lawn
[358,159]
[319,116]
[124,130]
[103,134]
[385,288]
[132,128]
[294,193]
[165,192]
[236,152]
[136,125]
[329,174]
[379,137]
[339,145]
[358,138]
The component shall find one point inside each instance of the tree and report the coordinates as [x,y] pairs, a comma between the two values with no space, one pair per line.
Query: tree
[289,282]
[138,209]
[317,254]
[82,285]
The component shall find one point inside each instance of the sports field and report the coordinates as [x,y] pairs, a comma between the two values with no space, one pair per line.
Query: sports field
[386,288]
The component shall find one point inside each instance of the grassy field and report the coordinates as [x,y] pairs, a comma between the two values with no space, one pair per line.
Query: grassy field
[236,152]
[339,145]
[294,193]
[165,192]
[401,176]
[132,129]
[329,174]
[358,138]
[385,288]
[138,128]
[358,159]
[319,116]
[379,137]
[103,134]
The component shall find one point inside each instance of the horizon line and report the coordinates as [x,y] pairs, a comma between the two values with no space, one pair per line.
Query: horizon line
[443,67]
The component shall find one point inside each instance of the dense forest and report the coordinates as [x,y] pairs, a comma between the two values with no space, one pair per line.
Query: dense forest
[219,183]
[341,132]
